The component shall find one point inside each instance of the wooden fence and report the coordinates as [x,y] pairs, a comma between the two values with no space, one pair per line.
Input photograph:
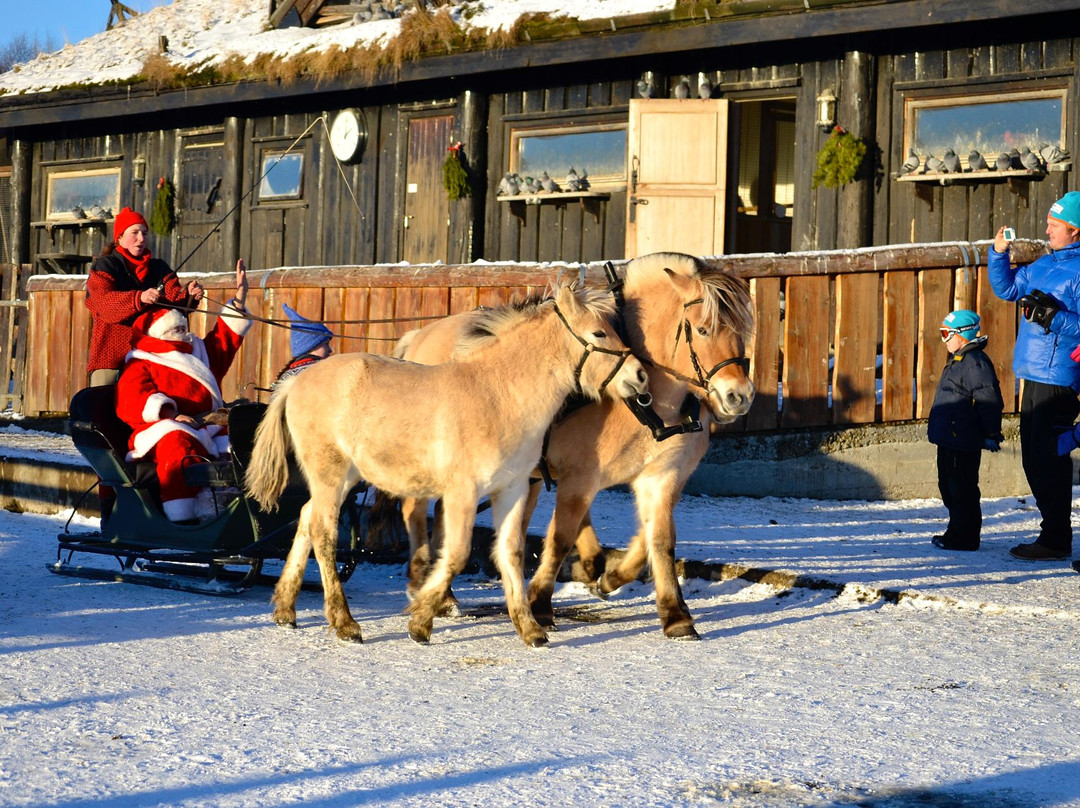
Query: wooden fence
[843,337]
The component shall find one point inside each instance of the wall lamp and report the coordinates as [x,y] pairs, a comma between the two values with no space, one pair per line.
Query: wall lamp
[138,170]
[826,109]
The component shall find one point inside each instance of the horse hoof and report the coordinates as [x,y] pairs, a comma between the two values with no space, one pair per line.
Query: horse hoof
[449,609]
[597,589]
[537,642]
[684,632]
[546,621]
[349,636]
[285,622]
[420,638]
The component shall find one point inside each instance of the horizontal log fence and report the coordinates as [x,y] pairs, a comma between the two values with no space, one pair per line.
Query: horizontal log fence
[842,337]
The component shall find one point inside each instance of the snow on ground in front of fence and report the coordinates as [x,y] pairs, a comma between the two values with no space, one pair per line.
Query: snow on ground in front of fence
[967,694]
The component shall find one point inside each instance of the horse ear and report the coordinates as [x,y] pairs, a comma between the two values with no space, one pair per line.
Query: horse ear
[686,287]
[566,298]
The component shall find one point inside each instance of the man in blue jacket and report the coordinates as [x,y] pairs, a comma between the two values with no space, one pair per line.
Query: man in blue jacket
[1048,291]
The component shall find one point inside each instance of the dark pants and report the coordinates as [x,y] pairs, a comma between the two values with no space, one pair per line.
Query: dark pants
[958,482]
[1045,411]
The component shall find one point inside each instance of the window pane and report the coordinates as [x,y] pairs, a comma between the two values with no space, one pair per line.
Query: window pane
[83,194]
[284,178]
[784,187]
[990,126]
[749,158]
[601,154]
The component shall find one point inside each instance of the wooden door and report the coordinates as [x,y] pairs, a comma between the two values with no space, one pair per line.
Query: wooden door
[678,176]
[426,220]
[199,203]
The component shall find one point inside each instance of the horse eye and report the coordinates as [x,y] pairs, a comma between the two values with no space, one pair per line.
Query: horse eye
[599,334]
[703,330]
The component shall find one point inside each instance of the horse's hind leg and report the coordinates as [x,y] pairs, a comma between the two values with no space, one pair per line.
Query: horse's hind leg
[422,550]
[593,560]
[292,576]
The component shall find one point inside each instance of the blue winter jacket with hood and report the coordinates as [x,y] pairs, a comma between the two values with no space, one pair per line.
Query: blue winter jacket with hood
[967,405]
[1040,356]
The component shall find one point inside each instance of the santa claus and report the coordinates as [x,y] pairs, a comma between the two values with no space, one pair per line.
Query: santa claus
[170,378]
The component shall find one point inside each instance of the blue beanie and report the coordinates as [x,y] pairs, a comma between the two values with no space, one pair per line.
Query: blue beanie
[1067,209]
[964,322]
[305,335]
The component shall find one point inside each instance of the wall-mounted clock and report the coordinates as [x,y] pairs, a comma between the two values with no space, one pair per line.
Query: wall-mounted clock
[348,135]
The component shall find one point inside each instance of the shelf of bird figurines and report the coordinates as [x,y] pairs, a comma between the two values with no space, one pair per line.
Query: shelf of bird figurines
[988,175]
[52,224]
[589,200]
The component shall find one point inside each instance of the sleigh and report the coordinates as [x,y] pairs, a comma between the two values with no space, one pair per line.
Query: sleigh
[138,544]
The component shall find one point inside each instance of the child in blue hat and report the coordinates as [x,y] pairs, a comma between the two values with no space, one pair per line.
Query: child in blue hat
[309,341]
[965,418]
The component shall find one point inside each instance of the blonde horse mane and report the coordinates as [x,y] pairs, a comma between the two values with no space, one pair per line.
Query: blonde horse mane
[727,300]
[489,324]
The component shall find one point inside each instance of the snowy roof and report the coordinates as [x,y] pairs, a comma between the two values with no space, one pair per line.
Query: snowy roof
[204,34]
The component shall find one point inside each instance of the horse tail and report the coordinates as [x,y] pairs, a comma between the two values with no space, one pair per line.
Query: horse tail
[268,470]
[403,344]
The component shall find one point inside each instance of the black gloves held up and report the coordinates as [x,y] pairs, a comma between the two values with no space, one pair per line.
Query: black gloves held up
[1039,308]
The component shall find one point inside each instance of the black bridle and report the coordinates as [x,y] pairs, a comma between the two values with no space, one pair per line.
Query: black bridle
[590,349]
[691,407]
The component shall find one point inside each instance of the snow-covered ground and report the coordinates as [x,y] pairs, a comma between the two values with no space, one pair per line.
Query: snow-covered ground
[967,693]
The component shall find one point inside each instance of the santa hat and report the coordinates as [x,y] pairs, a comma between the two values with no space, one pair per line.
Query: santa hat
[125,219]
[305,335]
[158,322]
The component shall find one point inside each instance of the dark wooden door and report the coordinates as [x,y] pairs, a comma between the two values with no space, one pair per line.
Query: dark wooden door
[426,219]
[199,202]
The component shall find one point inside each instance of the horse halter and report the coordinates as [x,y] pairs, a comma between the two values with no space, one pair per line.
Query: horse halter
[703,378]
[591,349]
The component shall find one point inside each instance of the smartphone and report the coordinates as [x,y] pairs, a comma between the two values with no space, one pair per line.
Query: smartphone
[1009,234]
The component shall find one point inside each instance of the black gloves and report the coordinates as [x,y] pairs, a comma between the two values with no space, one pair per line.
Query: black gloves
[1039,308]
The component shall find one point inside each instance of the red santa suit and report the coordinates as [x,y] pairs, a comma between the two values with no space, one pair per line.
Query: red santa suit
[166,368]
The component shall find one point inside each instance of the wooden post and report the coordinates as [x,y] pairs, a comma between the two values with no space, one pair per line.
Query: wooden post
[21,151]
[474,110]
[855,112]
[231,184]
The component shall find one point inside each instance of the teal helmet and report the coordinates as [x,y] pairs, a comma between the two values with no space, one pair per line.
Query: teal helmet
[963,322]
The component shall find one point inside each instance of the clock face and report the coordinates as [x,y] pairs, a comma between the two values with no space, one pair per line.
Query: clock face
[347,135]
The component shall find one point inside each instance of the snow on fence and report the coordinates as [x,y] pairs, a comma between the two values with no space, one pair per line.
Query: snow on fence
[850,337]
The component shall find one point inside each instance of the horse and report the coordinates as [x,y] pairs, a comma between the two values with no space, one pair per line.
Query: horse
[689,322]
[459,431]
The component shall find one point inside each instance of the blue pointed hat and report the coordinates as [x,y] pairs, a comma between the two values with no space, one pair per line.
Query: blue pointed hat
[305,335]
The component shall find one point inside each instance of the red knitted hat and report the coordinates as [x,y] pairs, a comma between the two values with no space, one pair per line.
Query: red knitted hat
[125,219]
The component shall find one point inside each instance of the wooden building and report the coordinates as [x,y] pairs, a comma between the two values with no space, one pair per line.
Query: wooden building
[729,169]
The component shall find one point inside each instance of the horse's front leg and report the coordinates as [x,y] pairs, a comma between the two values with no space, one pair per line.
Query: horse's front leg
[414,515]
[507,510]
[458,516]
[570,509]
[656,501]
[593,560]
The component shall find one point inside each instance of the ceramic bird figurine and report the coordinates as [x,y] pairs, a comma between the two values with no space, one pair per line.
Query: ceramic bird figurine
[911,164]
[682,89]
[704,88]
[573,182]
[548,184]
[1003,162]
[976,162]
[644,88]
[950,162]
[1029,159]
[934,165]
[507,186]
[1053,154]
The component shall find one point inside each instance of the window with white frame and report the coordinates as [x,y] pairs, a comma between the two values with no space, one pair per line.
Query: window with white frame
[282,176]
[82,194]
[595,151]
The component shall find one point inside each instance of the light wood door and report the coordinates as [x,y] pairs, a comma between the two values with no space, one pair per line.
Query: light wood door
[426,222]
[678,176]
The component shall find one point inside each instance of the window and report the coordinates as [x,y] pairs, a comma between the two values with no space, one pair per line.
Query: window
[89,194]
[283,176]
[990,123]
[597,152]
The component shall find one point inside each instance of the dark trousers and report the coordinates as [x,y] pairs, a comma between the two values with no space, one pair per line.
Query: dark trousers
[1045,411]
[958,482]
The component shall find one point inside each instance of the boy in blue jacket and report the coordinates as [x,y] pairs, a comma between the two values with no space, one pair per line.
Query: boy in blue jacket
[1048,291]
[964,419]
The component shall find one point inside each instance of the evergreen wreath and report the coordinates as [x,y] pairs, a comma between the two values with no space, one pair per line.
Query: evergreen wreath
[455,178]
[163,216]
[839,160]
